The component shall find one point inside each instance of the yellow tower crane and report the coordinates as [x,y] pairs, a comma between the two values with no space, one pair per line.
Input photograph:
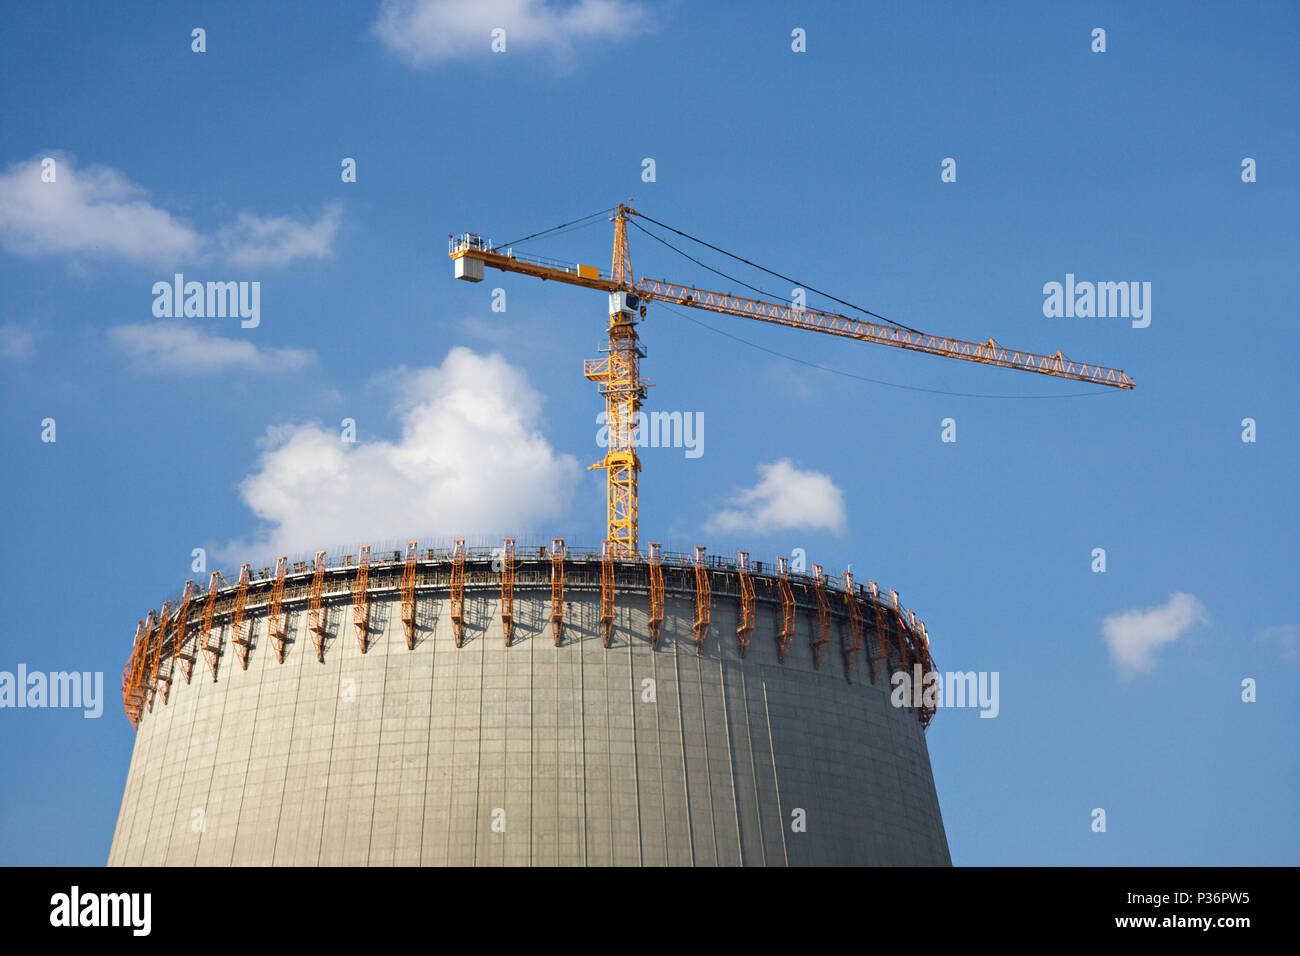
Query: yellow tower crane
[619,373]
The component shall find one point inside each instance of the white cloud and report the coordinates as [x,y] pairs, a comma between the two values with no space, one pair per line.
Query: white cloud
[1134,636]
[1284,636]
[254,241]
[791,383]
[421,31]
[178,347]
[469,459]
[99,211]
[15,343]
[785,497]
[94,210]
[495,333]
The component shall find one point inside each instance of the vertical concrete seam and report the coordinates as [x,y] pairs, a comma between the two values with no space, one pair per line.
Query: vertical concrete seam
[708,764]
[636,762]
[776,779]
[454,651]
[252,738]
[559,772]
[216,749]
[428,731]
[180,783]
[681,732]
[659,743]
[731,757]
[505,745]
[609,757]
[478,757]
[334,726]
[532,765]
[284,782]
[379,750]
[753,771]
[582,743]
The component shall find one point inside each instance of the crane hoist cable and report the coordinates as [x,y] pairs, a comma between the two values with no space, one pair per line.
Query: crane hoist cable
[727,275]
[564,232]
[598,212]
[705,265]
[802,285]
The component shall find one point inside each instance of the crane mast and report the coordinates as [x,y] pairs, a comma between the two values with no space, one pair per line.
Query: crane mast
[619,378]
[619,373]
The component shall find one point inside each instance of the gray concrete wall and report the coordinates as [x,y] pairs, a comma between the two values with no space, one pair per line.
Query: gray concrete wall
[401,757]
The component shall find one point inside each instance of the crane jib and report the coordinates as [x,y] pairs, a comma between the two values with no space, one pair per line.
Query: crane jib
[986,353]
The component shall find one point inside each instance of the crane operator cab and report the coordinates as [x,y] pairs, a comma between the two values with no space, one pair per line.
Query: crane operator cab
[626,304]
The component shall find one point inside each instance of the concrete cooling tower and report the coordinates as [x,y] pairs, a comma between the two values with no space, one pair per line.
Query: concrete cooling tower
[538,706]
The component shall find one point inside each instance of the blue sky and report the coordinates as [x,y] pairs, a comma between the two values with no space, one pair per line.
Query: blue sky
[823,165]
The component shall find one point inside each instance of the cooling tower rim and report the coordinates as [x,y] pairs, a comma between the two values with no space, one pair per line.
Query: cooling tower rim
[346,560]
[156,642]
[345,566]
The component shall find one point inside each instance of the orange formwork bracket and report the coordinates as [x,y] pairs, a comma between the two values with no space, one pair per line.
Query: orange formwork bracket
[132,698]
[745,629]
[874,604]
[458,590]
[212,642]
[275,625]
[361,599]
[703,600]
[156,657]
[408,594]
[238,626]
[899,629]
[920,654]
[164,664]
[557,589]
[822,637]
[656,593]
[920,640]
[853,645]
[316,613]
[786,632]
[607,589]
[181,632]
[925,645]
[927,713]
[507,588]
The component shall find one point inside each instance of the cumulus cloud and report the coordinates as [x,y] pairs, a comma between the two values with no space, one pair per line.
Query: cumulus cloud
[785,497]
[422,31]
[470,458]
[94,210]
[99,211]
[15,343]
[1134,636]
[175,347]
